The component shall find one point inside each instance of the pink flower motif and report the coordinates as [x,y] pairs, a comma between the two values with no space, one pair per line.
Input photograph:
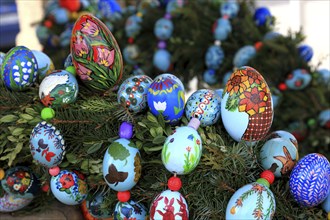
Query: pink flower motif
[83,72]
[90,28]
[105,56]
[80,46]
[188,148]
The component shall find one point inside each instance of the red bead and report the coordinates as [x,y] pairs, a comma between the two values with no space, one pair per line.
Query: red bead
[124,196]
[45,187]
[48,23]
[268,175]
[71,5]
[174,183]
[54,171]
[282,87]
[130,40]
[258,45]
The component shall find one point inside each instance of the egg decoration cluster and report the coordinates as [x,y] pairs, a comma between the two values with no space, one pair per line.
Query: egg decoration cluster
[12,203]
[246,105]
[130,210]
[45,64]
[19,68]
[310,180]
[69,187]
[298,79]
[133,92]
[166,97]
[95,54]
[204,104]
[95,207]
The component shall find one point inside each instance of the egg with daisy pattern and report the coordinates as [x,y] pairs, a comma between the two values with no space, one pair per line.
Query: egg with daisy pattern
[19,69]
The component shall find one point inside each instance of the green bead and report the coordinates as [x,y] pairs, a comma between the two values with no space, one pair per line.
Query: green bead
[71,70]
[263,182]
[47,113]
[311,122]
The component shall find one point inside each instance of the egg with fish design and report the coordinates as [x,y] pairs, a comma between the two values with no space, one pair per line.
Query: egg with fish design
[130,210]
[95,54]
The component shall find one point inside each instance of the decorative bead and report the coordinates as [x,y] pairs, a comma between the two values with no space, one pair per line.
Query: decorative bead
[168,16]
[194,123]
[71,70]
[268,175]
[126,130]
[282,87]
[47,113]
[218,43]
[54,171]
[161,45]
[2,173]
[174,183]
[225,16]
[124,196]
[130,40]
[263,182]
[139,14]
[258,45]
[48,24]
[45,187]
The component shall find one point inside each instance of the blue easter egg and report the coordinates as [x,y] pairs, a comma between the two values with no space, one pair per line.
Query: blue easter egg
[271,35]
[107,8]
[210,77]
[261,16]
[65,36]
[284,135]
[122,165]
[250,202]
[163,29]
[324,118]
[244,55]
[279,156]
[305,52]
[133,92]
[326,204]
[68,61]
[60,15]
[204,104]
[130,210]
[222,29]
[45,64]
[47,145]
[298,79]
[12,203]
[43,34]
[69,188]
[310,180]
[162,60]
[133,25]
[176,79]
[229,8]
[95,206]
[173,5]
[323,76]
[131,53]
[19,69]
[166,97]
[58,89]
[214,57]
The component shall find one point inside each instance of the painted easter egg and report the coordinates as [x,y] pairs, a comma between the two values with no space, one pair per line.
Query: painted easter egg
[163,29]
[68,187]
[162,59]
[45,64]
[214,57]
[173,6]
[12,203]
[279,156]
[133,25]
[229,9]
[210,77]
[244,55]
[271,35]
[310,180]
[250,202]
[133,92]
[326,204]
[204,104]
[175,78]
[166,97]
[169,204]
[323,76]
[122,165]
[246,106]
[20,182]
[324,118]
[221,29]
[261,16]
[65,36]
[284,135]
[47,145]
[96,207]
[306,52]
[130,210]
[131,53]
[298,79]
[95,54]
[2,57]
[109,8]
[58,89]
[19,69]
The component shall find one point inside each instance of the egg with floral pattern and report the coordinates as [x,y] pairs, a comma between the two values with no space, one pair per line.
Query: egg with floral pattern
[95,54]
[298,79]
[21,182]
[166,97]
[45,64]
[69,187]
[246,105]
[130,210]
[19,69]
[47,145]
[310,180]
[12,203]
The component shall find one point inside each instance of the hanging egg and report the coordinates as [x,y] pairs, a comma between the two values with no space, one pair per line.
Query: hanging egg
[19,68]
[122,165]
[47,145]
[133,25]
[130,210]
[95,54]
[162,59]
[246,106]
[65,36]
[251,202]
[324,118]
[298,79]
[58,89]
[183,149]
[96,207]
[166,96]
[244,55]
[169,205]
[214,57]
[221,29]
[21,182]
[284,135]
[173,5]
[204,104]
[108,8]
[163,29]
[271,35]
[305,52]
[12,203]
[68,61]
[310,180]
[326,204]
[45,64]
[131,53]
[279,156]
[69,187]
[229,9]
[262,16]
[323,76]
[226,78]
[210,77]
[133,92]
[2,57]
[60,16]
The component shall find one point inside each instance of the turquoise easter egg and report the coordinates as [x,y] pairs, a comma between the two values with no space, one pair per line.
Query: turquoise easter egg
[131,53]
[58,89]
[68,187]
[250,202]
[244,55]
[166,97]
[130,210]
[214,57]
[163,29]
[19,69]
[45,64]
[122,165]
[162,59]
[284,135]
[221,29]
[47,145]
[12,203]
[298,79]
[96,206]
